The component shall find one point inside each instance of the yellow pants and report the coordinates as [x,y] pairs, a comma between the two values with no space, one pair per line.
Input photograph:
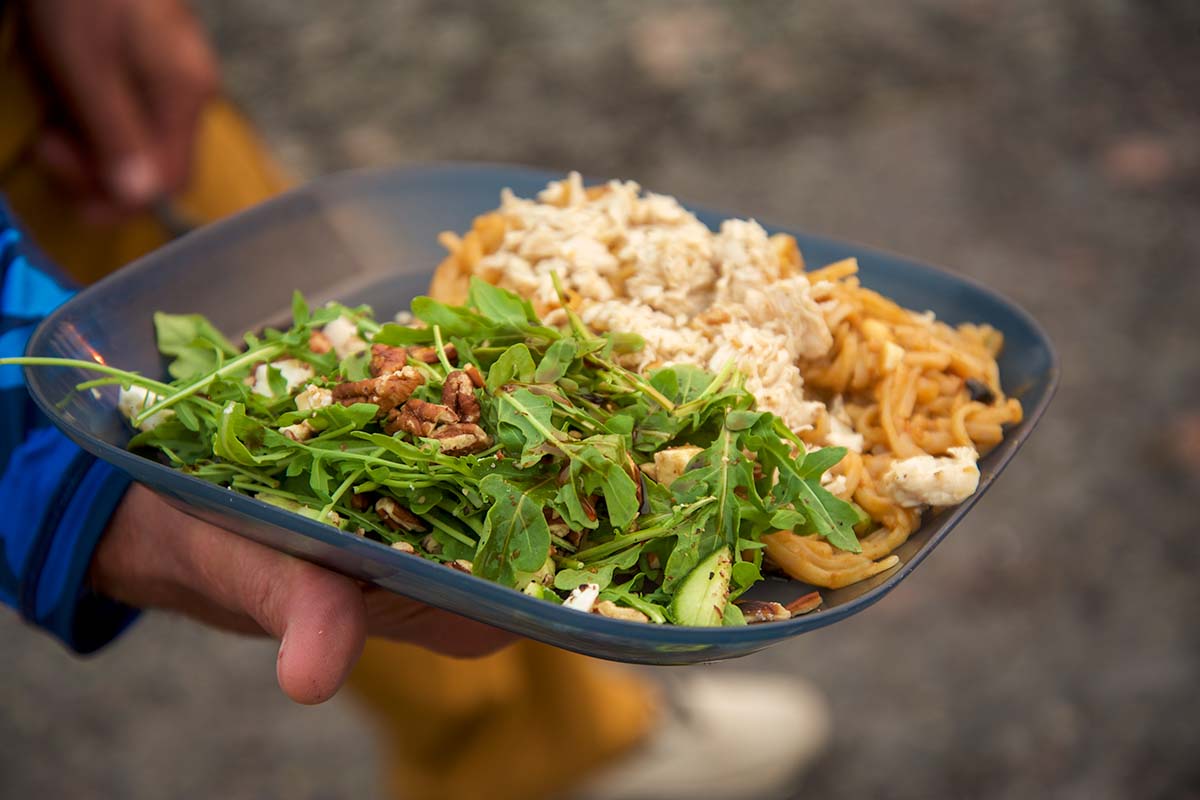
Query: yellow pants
[527,722]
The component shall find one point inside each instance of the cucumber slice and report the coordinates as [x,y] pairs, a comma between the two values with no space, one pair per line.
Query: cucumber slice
[701,597]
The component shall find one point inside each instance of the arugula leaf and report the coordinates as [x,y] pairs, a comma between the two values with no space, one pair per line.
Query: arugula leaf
[515,365]
[500,306]
[516,536]
[557,360]
[197,346]
[237,435]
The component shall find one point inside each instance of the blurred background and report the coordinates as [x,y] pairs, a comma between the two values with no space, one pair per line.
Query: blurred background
[1052,151]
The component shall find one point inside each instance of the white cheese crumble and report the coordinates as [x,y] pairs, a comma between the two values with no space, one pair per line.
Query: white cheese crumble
[293,370]
[583,598]
[343,335]
[136,399]
[933,481]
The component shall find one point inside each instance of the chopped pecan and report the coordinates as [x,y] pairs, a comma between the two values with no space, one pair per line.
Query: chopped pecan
[429,354]
[319,343]
[459,394]
[396,516]
[607,608]
[418,417]
[760,611]
[386,391]
[462,438]
[431,545]
[462,565]
[403,547]
[385,359]
[302,431]
[360,502]
[804,604]
[474,374]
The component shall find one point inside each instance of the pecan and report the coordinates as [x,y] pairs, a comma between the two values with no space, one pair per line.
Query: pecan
[396,516]
[431,545]
[385,359]
[418,417]
[360,502]
[459,394]
[319,343]
[302,431]
[804,604]
[461,438]
[462,565]
[386,391]
[429,354]
[607,608]
[760,611]
[474,374]
[403,547]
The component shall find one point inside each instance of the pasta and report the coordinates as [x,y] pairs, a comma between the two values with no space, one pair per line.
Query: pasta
[901,390]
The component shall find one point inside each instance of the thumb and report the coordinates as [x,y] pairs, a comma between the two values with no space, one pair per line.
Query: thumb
[318,616]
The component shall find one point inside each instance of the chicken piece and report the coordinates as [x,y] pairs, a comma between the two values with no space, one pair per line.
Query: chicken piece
[933,481]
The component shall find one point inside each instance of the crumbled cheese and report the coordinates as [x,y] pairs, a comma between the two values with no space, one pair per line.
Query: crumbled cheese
[293,370]
[669,464]
[646,265]
[136,399]
[583,598]
[313,397]
[841,433]
[933,481]
[343,335]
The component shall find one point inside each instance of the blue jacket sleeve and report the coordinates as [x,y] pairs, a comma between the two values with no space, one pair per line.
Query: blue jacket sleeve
[56,498]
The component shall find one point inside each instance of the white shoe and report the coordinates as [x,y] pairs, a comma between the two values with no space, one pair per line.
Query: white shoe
[724,736]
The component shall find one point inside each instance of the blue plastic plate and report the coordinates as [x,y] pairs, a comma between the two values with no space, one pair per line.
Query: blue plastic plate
[370,237]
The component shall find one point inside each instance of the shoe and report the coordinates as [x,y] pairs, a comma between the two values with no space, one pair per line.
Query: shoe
[724,736]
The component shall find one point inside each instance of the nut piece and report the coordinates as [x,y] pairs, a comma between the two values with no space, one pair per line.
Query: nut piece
[759,611]
[461,565]
[386,391]
[458,392]
[403,547]
[462,438]
[607,608]
[804,604]
[361,501]
[429,354]
[385,359]
[431,545]
[396,516]
[319,343]
[418,417]
[475,375]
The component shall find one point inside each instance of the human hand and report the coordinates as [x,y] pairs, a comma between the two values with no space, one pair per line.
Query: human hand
[155,556]
[128,80]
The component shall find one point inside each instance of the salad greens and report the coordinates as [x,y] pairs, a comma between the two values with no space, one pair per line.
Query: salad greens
[566,491]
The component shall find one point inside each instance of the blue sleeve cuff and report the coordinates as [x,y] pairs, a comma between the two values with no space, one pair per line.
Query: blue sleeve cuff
[61,600]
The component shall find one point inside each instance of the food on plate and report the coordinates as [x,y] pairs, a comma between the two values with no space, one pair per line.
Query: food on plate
[483,439]
[602,404]
[914,401]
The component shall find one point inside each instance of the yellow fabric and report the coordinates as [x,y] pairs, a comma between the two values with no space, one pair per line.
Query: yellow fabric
[526,722]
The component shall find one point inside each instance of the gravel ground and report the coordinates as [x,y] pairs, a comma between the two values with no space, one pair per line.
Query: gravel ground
[1049,648]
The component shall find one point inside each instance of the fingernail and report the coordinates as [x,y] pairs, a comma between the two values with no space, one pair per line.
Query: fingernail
[135,181]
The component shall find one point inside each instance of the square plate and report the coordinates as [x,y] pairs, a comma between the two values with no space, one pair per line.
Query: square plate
[371,237]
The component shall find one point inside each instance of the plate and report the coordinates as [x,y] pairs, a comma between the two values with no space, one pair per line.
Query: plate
[371,237]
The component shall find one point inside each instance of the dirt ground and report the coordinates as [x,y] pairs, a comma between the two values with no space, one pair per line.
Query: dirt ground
[1050,150]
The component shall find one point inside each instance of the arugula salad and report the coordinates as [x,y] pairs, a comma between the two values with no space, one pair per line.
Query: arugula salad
[478,437]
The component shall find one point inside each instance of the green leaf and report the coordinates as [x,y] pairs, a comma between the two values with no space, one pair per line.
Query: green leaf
[568,579]
[516,537]
[196,345]
[299,309]
[499,305]
[523,419]
[453,320]
[236,435]
[318,478]
[746,574]
[818,462]
[557,360]
[403,336]
[515,365]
